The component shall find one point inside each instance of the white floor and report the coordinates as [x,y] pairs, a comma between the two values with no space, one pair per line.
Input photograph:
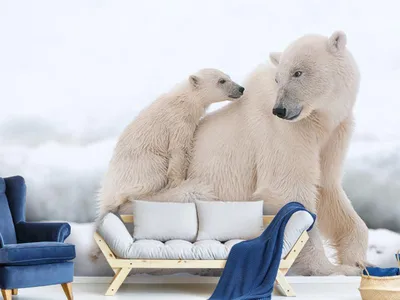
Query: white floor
[328,288]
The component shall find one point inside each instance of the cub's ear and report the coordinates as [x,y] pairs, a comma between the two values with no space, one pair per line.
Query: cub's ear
[274,57]
[194,80]
[337,41]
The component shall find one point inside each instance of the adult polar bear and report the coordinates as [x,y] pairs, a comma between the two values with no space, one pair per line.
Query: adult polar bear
[286,141]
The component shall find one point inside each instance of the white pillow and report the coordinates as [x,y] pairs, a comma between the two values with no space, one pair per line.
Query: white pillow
[223,221]
[164,221]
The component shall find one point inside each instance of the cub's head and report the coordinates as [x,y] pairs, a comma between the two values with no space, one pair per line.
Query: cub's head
[214,86]
[314,73]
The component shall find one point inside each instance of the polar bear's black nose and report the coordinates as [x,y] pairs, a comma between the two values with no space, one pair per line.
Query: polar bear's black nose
[241,89]
[279,112]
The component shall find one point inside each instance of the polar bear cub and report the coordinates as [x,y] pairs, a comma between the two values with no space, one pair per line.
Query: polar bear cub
[152,151]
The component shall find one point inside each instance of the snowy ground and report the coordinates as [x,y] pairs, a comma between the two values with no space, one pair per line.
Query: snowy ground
[74,73]
[63,178]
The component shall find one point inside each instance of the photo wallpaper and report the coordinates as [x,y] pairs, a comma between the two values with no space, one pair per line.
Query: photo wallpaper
[73,74]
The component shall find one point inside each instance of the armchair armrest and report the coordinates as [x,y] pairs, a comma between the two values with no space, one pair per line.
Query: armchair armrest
[42,232]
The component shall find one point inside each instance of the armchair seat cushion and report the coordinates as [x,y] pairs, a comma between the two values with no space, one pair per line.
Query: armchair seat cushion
[36,253]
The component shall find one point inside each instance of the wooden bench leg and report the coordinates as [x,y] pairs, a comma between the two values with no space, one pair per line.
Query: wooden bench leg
[67,287]
[118,279]
[284,286]
[14,291]
[6,294]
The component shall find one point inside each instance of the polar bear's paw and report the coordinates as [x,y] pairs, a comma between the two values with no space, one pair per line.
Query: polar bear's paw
[346,270]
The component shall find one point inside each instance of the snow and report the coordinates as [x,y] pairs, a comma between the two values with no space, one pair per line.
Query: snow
[82,237]
[73,73]
[383,246]
[372,182]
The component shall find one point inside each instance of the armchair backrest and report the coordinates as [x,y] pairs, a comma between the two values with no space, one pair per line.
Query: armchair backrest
[7,229]
[12,207]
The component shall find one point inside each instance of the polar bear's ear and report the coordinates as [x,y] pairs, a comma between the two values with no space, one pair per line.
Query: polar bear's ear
[274,57]
[194,80]
[337,41]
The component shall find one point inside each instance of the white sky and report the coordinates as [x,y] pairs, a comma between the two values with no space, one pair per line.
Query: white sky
[77,66]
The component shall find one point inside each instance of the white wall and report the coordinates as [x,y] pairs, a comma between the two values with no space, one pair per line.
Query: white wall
[73,73]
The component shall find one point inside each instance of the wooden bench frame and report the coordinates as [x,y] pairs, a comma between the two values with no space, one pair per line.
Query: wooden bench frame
[122,267]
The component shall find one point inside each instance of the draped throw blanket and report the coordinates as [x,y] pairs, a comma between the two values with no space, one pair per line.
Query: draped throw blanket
[252,266]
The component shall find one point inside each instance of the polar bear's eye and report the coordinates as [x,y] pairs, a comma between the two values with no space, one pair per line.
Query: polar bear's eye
[276,80]
[221,81]
[297,74]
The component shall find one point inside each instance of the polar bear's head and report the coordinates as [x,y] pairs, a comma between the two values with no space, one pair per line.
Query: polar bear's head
[213,86]
[315,73]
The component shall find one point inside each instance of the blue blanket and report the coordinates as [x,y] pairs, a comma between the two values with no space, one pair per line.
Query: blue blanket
[382,272]
[252,266]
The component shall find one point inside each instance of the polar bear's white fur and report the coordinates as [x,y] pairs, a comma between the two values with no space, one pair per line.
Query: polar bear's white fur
[152,152]
[244,151]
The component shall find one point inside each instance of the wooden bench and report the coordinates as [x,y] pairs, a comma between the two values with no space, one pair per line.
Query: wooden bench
[122,267]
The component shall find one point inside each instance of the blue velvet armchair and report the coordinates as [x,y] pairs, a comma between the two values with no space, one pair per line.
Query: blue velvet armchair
[31,254]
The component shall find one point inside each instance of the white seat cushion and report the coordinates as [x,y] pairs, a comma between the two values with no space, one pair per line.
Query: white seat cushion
[119,240]
[179,249]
